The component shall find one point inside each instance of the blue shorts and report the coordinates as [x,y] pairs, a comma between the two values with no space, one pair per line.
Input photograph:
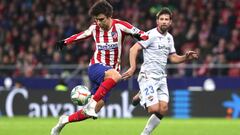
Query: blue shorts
[96,73]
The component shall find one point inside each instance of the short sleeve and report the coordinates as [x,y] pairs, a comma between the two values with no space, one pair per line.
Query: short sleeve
[146,43]
[172,48]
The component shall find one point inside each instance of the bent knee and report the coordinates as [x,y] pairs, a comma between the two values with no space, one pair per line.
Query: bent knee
[153,110]
[163,108]
[112,73]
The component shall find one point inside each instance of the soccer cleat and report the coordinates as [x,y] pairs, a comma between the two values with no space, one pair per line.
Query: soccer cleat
[144,133]
[89,108]
[136,99]
[57,129]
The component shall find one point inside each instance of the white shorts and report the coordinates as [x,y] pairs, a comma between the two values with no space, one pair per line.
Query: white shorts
[153,90]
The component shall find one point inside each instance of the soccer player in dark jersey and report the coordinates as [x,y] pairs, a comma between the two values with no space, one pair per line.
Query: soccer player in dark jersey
[104,67]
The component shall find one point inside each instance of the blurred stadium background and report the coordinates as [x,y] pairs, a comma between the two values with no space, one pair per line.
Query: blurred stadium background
[208,87]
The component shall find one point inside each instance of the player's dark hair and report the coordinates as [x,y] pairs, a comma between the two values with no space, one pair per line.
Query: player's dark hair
[164,10]
[101,7]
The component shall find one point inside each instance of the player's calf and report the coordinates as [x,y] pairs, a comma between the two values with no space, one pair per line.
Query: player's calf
[136,99]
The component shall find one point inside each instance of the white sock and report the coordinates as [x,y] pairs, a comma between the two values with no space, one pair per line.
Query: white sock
[65,120]
[152,123]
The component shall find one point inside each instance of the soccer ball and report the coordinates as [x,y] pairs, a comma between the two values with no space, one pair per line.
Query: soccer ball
[80,95]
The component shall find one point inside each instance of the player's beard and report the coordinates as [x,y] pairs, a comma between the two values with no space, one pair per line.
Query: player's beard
[164,28]
[104,26]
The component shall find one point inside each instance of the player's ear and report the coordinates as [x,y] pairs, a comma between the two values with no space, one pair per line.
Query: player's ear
[170,23]
[157,21]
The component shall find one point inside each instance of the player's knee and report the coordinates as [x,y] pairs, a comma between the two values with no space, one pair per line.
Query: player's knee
[163,109]
[116,76]
[153,110]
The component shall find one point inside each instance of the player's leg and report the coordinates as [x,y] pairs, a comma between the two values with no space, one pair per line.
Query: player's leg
[111,78]
[108,79]
[59,126]
[157,110]
[155,118]
[142,78]
[136,99]
[80,115]
[149,100]
[75,117]
[163,96]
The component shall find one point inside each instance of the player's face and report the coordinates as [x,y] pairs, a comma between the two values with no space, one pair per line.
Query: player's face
[103,21]
[164,22]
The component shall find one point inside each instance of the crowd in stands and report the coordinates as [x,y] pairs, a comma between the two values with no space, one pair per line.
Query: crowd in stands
[30,28]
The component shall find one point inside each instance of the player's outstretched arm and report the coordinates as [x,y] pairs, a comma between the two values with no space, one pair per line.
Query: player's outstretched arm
[190,55]
[76,37]
[134,50]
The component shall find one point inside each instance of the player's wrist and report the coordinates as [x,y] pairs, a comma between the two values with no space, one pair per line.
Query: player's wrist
[186,56]
[133,68]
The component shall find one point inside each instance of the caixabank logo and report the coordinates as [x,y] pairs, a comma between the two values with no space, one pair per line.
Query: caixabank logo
[233,106]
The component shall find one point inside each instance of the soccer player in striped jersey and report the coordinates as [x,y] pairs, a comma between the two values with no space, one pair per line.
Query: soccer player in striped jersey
[104,67]
[152,76]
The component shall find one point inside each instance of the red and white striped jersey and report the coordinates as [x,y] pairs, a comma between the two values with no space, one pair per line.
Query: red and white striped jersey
[109,43]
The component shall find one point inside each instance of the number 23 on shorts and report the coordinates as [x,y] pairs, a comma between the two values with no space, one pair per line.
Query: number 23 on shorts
[148,90]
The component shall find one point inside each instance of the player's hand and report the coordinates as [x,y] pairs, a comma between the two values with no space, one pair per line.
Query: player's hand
[190,55]
[128,73]
[60,44]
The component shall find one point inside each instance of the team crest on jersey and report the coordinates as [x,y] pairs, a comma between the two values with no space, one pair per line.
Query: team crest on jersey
[114,35]
[168,39]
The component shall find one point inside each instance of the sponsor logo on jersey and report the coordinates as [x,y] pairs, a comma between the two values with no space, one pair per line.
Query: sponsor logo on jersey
[168,39]
[163,47]
[107,46]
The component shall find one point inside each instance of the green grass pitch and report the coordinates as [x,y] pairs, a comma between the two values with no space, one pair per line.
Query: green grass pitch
[168,126]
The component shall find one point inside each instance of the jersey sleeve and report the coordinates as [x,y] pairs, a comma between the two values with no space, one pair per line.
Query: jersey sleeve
[172,48]
[80,36]
[132,30]
[146,43]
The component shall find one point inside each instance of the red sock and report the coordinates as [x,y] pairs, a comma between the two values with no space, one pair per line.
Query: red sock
[104,88]
[77,116]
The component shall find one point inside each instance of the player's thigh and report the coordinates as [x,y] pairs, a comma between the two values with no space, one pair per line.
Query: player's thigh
[163,96]
[96,72]
[148,90]
[162,90]
[163,107]
[112,73]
